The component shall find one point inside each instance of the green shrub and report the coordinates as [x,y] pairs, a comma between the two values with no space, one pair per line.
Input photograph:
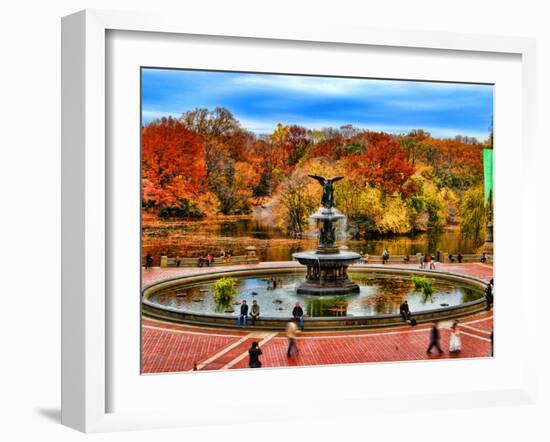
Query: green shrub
[423,285]
[224,291]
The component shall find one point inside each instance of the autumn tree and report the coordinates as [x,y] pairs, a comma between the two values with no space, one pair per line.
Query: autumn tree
[474,215]
[173,167]
[225,148]
[298,201]
[299,140]
[413,144]
[383,165]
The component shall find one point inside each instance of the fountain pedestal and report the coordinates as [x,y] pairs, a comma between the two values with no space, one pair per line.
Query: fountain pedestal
[327,266]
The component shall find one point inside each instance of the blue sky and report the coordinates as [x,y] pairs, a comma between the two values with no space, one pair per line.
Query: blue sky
[260,101]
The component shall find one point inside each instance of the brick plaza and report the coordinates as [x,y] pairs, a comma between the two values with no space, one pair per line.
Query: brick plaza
[170,347]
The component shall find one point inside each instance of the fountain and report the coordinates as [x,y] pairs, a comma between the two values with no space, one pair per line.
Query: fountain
[327,266]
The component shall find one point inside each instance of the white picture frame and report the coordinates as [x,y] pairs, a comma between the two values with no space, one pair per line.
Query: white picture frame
[86,315]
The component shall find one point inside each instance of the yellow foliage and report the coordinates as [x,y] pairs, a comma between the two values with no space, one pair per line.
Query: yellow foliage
[208,203]
[395,218]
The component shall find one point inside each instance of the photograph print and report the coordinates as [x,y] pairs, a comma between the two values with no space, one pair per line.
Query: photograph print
[306,220]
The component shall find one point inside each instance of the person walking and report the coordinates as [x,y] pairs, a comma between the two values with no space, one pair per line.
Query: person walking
[454,343]
[254,312]
[291,333]
[432,262]
[254,353]
[489,298]
[435,336]
[426,260]
[459,258]
[385,256]
[148,261]
[298,315]
[178,261]
[421,261]
[242,315]
[438,255]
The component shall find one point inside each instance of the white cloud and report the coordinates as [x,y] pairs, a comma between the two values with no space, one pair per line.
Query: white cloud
[319,85]
[347,86]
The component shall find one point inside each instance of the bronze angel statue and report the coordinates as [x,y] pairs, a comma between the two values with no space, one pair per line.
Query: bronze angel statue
[328,189]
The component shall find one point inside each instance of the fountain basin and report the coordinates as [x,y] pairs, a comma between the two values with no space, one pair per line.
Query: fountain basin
[463,295]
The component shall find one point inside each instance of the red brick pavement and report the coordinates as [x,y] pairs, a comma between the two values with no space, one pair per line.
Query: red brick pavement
[168,347]
[382,347]
[169,350]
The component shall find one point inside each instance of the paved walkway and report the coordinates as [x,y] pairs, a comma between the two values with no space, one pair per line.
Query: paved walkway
[168,347]
[155,274]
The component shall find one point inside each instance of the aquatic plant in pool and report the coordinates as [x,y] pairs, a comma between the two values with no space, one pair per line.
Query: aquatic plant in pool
[423,285]
[223,292]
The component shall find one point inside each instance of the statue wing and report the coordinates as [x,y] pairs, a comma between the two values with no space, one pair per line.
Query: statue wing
[336,178]
[318,178]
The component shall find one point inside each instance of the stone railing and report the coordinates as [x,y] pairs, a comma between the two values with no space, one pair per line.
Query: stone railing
[414,259]
[249,258]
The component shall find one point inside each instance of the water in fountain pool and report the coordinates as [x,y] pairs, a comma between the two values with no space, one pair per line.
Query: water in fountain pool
[379,294]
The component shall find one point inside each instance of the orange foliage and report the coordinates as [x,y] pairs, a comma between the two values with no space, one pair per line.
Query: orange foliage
[173,166]
[383,165]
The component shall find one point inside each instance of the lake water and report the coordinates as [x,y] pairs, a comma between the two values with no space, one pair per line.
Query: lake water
[196,238]
[379,294]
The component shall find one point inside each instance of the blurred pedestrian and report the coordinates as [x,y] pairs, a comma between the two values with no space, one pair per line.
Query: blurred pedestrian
[435,337]
[291,333]
[489,295]
[148,261]
[454,343]
[426,260]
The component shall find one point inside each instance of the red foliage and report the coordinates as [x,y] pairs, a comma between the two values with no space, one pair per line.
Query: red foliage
[459,155]
[384,165]
[327,149]
[173,166]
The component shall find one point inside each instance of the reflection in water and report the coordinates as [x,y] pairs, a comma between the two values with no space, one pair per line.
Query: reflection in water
[380,294]
[195,238]
[323,306]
